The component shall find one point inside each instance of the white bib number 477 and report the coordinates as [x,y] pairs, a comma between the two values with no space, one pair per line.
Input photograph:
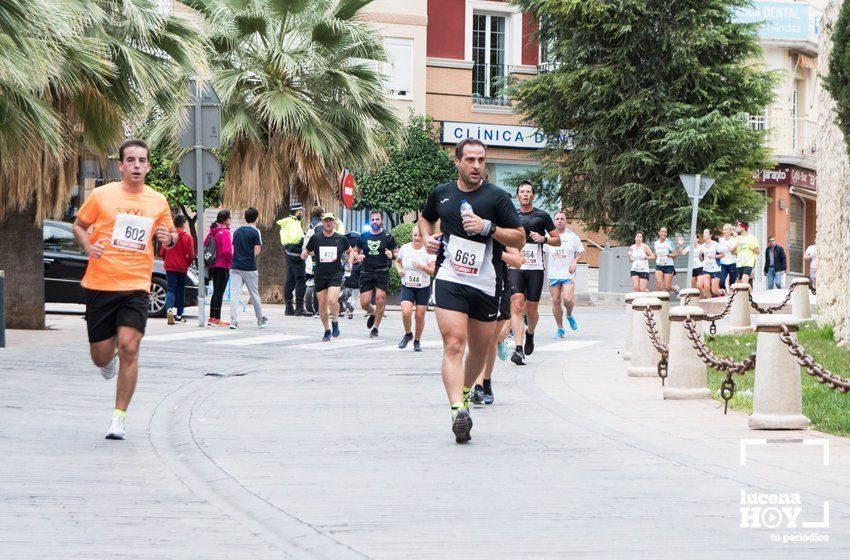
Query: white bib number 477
[466,256]
[132,233]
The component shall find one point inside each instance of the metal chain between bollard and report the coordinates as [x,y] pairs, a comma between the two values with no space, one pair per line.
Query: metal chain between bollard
[813,290]
[770,310]
[731,367]
[662,348]
[823,375]
[712,328]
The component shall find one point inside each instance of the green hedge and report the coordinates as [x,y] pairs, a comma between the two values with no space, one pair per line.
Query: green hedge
[403,233]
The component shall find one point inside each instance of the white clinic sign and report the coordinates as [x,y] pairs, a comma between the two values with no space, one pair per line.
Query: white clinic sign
[502,135]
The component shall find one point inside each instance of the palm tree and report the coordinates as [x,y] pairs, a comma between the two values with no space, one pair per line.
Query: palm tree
[301,99]
[105,65]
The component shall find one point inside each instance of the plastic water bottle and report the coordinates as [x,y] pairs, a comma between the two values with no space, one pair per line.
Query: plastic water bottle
[465,207]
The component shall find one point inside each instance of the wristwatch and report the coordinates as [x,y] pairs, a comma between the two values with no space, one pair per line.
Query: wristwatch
[491,230]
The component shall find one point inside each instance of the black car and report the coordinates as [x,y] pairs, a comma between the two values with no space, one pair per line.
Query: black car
[65,263]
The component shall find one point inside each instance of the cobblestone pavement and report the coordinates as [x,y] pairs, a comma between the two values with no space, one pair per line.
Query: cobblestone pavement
[271,444]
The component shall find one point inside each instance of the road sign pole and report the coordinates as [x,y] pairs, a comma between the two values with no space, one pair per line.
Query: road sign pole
[199,215]
[2,312]
[694,209]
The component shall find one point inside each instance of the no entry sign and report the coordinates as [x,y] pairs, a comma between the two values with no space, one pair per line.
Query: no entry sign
[346,188]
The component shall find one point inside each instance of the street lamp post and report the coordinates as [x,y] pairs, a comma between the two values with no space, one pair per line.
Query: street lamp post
[696,186]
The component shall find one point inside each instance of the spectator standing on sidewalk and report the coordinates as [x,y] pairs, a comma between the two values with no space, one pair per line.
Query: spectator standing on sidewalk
[177,263]
[247,243]
[292,239]
[775,264]
[220,269]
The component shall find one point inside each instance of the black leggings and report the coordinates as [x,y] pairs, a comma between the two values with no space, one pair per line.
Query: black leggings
[219,276]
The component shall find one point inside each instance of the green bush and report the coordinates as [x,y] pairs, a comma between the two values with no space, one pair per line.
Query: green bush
[403,233]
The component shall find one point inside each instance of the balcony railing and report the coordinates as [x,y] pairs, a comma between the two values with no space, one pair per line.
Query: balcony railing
[498,76]
[787,136]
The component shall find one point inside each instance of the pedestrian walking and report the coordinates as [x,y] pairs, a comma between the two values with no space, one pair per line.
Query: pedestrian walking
[219,244]
[775,264]
[247,243]
[177,262]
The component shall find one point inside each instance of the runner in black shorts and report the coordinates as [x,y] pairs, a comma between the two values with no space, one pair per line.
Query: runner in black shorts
[329,249]
[527,281]
[477,220]
[376,250]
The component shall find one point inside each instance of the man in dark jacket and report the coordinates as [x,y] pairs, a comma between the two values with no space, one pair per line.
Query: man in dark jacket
[296,279]
[775,264]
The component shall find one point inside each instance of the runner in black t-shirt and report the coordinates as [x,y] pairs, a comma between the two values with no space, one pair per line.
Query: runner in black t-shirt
[527,281]
[376,250]
[477,220]
[329,248]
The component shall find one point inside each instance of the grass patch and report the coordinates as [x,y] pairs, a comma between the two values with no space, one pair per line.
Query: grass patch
[828,410]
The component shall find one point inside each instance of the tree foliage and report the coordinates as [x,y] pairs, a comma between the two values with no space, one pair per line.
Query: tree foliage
[414,166]
[650,89]
[837,82]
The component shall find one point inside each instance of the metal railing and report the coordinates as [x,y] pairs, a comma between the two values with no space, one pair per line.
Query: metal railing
[787,136]
[498,75]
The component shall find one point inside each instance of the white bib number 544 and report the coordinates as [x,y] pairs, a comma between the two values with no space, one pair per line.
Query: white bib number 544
[465,256]
[132,233]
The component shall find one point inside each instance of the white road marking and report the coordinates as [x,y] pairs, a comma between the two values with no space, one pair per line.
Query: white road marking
[567,345]
[185,335]
[395,348]
[336,343]
[254,340]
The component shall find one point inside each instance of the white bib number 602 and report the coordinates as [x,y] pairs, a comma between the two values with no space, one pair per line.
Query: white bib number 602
[466,256]
[132,233]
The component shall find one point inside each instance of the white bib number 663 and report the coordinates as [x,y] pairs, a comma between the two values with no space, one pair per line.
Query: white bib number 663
[132,233]
[466,256]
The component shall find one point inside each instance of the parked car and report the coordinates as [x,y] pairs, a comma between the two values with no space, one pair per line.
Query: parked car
[65,263]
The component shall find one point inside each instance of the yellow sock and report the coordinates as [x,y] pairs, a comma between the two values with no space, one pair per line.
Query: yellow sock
[120,413]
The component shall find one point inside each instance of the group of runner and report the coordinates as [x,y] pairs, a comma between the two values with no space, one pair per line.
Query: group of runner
[487,259]
[716,264]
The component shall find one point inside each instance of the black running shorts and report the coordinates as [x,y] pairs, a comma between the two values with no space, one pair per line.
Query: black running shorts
[322,283]
[470,301]
[106,311]
[528,283]
[374,280]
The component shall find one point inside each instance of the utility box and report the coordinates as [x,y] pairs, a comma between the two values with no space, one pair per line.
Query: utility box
[614,269]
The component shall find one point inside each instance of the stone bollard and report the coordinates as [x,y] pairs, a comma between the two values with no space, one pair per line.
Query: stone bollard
[777,395]
[688,294]
[741,309]
[630,297]
[663,318]
[801,307]
[686,372]
[645,357]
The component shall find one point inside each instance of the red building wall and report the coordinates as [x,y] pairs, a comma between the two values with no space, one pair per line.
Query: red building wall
[446,19]
[530,50]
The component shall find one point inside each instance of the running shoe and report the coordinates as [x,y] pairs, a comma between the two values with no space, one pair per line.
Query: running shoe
[335,329]
[573,323]
[170,316]
[518,357]
[559,333]
[511,333]
[261,324]
[234,325]
[676,289]
[488,394]
[350,315]
[529,344]
[370,321]
[405,340]
[477,395]
[221,323]
[373,333]
[326,337]
[109,370]
[116,428]
[461,425]
[180,318]
[503,349]
[417,346]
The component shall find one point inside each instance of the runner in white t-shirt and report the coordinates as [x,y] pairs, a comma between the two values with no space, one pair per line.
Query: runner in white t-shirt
[811,255]
[665,254]
[640,255]
[561,265]
[709,253]
[415,266]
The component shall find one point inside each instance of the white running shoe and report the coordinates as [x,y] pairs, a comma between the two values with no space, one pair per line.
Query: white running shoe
[109,370]
[234,325]
[261,324]
[116,428]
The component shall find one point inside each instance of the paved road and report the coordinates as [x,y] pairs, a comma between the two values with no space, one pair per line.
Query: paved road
[270,444]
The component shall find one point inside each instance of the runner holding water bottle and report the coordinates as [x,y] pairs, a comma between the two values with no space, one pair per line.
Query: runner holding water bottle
[476,221]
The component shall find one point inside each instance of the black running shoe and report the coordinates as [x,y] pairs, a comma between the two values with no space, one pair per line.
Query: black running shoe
[405,340]
[529,344]
[462,425]
[373,333]
[326,337]
[417,346]
[335,329]
[488,394]
[477,395]
[518,357]
[370,321]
